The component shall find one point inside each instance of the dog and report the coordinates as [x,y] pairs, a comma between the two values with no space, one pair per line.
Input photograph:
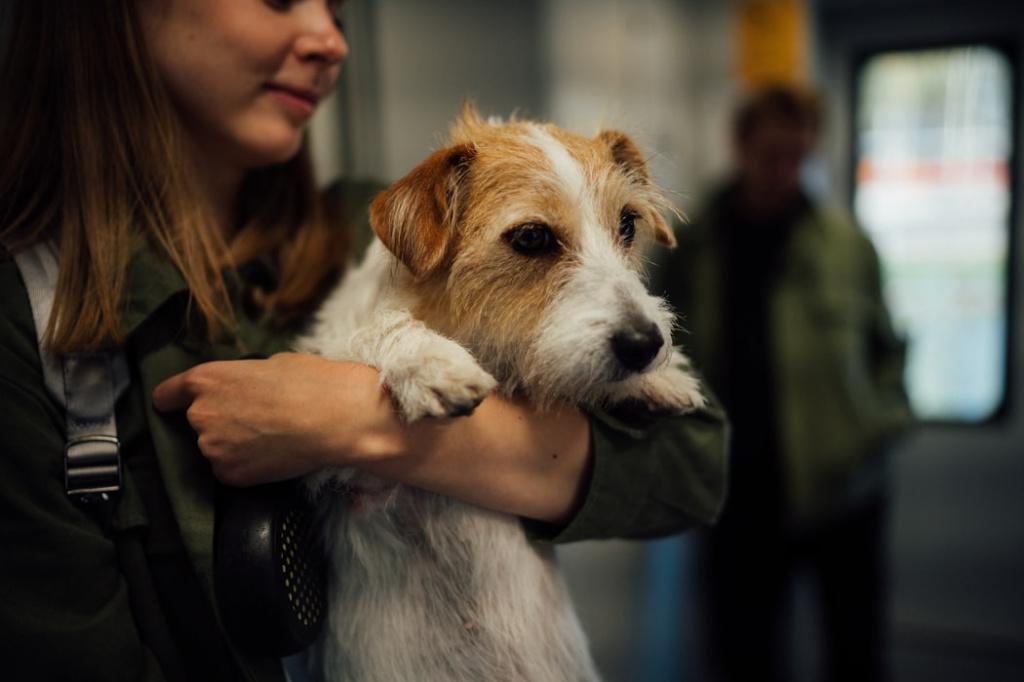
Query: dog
[509,261]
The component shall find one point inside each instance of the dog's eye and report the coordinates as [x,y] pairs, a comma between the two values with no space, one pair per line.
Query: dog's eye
[532,239]
[627,226]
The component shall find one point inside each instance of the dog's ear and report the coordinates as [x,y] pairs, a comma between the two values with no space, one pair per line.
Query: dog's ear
[415,217]
[628,156]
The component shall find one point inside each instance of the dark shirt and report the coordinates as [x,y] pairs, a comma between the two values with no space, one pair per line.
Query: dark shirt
[752,248]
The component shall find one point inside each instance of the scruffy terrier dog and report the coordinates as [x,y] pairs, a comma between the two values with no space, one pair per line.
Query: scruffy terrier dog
[509,261]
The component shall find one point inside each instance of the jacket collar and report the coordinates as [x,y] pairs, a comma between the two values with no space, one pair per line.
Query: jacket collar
[152,282]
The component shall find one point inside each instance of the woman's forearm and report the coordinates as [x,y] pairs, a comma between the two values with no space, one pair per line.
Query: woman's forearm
[505,456]
[267,420]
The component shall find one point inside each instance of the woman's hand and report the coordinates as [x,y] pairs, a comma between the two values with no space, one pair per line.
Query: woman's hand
[266,420]
[292,414]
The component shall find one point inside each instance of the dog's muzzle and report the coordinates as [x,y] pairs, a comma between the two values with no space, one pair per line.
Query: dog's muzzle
[637,346]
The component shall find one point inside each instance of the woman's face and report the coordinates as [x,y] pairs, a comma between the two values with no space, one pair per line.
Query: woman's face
[245,75]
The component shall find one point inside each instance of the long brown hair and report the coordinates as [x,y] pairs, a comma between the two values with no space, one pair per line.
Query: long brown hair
[93,154]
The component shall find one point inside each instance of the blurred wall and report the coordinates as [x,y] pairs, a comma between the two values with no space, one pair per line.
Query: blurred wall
[413,64]
[657,69]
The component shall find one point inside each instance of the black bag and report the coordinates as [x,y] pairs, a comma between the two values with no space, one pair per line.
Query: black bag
[270,568]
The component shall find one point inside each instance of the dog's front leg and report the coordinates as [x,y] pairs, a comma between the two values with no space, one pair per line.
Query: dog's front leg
[427,375]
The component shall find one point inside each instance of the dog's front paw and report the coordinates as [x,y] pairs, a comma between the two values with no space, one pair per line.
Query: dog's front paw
[672,390]
[447,382]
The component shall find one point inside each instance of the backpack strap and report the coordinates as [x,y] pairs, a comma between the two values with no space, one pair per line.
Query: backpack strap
[86,385]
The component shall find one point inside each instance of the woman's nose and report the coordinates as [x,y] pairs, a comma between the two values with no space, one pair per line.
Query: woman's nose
[322,40]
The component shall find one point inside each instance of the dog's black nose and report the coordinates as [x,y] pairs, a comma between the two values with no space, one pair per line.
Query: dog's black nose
[636,347]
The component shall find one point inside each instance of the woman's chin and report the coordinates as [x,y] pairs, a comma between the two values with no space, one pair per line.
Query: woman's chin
[266,154]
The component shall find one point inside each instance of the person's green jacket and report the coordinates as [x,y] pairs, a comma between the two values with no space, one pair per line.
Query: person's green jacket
[836,361]
[65,610]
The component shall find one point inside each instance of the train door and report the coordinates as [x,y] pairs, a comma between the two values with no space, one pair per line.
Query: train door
[926,98]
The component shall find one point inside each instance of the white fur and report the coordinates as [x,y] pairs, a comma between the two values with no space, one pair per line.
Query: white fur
[564,166]
[428,589]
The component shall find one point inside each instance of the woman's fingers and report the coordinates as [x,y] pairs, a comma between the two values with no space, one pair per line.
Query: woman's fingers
[175,393]
[262,420]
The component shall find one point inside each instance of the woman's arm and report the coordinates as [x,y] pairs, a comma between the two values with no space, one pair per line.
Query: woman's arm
[506,456]
[290,415]
[580,477]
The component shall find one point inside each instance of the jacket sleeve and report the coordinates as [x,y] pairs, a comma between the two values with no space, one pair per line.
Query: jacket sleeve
[650,480]
[887,351]
[65,612]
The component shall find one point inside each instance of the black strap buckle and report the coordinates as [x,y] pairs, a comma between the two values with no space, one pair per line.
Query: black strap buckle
[92,468]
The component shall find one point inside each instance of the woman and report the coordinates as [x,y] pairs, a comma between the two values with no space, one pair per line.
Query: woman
[161,143]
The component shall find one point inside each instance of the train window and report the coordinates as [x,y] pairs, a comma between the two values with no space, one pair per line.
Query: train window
[933,138]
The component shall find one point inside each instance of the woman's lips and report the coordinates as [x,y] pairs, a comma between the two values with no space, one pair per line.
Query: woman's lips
[296,100]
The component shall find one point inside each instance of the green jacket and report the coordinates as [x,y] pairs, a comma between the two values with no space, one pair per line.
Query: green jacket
[65,611]
[837,363]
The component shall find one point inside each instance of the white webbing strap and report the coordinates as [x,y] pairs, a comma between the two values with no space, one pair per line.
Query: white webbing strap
[87,385]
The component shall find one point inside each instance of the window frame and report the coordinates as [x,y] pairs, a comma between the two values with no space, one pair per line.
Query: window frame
[1010,50]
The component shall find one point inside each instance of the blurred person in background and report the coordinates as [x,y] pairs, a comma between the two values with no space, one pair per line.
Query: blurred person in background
[784,302]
